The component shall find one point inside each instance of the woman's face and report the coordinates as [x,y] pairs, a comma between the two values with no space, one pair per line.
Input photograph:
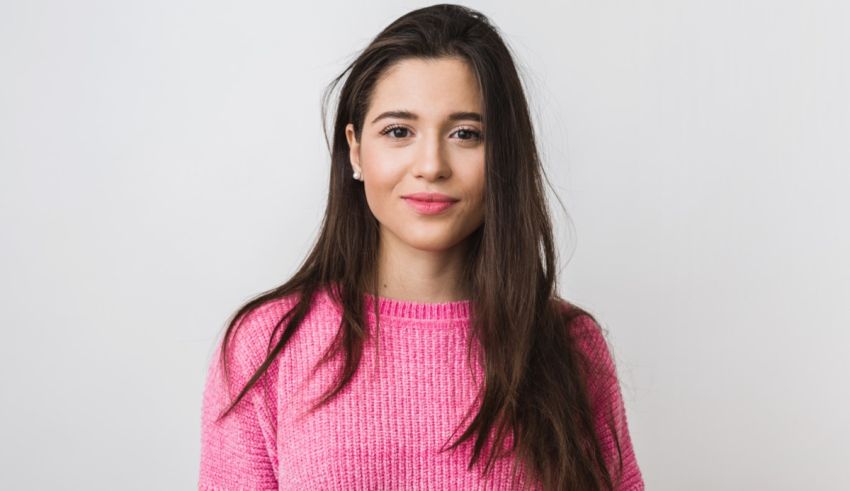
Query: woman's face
[423,133]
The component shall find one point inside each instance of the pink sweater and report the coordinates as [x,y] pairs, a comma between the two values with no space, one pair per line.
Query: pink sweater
[384,431]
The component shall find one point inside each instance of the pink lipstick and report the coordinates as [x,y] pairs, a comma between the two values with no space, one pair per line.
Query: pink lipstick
[429,207]
[429,203]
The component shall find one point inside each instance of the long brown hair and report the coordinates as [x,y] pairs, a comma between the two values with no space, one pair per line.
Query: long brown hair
[535,384]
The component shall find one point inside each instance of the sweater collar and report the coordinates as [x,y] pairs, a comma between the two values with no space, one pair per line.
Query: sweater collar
[413,310]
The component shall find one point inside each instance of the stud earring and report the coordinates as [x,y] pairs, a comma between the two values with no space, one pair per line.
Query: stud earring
[357,175]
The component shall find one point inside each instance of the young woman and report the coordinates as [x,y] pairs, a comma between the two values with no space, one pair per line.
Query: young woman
[422,344]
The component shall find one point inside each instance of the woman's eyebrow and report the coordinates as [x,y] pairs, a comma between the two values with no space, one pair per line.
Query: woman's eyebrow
[402,114]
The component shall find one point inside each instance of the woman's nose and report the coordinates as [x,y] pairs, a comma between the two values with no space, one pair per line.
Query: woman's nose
[430,160]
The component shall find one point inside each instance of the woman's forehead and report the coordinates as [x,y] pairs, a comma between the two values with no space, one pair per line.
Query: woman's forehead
[443,88]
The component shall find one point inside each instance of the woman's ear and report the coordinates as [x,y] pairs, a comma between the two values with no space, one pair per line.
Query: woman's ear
[353,147]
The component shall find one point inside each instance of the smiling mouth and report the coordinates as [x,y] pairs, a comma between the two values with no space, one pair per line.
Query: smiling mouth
[426,207]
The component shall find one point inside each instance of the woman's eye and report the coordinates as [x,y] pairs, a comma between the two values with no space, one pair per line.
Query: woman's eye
[394,130]
[466,131]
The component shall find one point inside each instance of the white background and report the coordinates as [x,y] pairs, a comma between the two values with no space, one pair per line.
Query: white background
[163,161]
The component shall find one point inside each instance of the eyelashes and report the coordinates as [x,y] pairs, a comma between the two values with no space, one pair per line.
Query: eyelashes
[476,135]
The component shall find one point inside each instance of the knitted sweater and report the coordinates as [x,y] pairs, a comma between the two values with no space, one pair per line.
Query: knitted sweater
[385,429]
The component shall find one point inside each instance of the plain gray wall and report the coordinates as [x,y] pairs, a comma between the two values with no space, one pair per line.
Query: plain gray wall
[163,161]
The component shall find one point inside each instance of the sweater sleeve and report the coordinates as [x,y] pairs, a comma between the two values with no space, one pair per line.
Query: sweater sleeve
[609,408]
[239,451]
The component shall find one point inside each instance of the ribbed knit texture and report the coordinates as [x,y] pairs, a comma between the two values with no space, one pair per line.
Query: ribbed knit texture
[385,430]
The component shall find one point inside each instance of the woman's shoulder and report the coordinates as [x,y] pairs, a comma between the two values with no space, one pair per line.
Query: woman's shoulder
[590,339]
[579,321]
[255,326]
[259,320]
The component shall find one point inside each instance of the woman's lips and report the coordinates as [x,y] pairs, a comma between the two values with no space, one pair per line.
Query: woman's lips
[429,207]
